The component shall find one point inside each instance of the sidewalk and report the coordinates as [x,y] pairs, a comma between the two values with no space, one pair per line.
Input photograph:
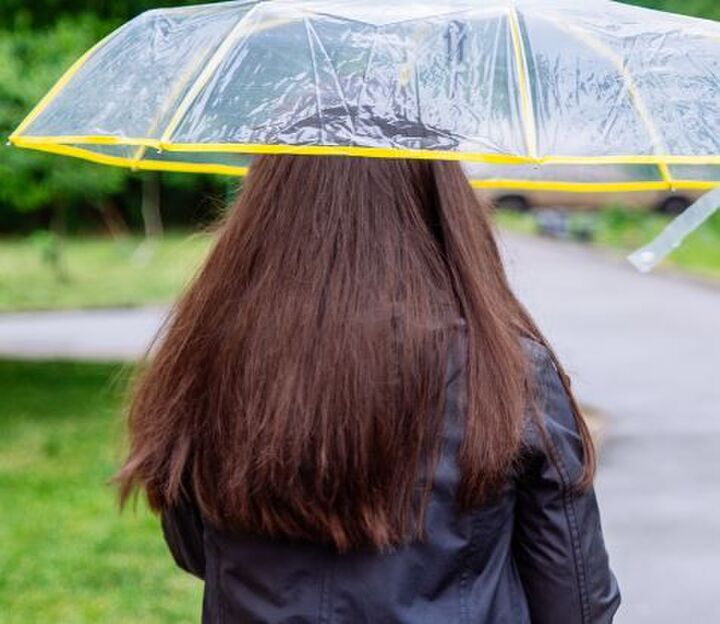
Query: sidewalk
[645,349]
[84,334]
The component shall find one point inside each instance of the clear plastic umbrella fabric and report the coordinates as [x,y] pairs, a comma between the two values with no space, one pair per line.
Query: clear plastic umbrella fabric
[542,94]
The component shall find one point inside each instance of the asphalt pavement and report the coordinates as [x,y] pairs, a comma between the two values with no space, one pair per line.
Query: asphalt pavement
[644,349]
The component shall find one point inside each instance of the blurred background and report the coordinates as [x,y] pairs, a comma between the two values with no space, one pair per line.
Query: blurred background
[90,257]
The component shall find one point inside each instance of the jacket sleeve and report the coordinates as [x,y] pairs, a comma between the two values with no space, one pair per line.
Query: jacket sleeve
[558,543]
[183,531]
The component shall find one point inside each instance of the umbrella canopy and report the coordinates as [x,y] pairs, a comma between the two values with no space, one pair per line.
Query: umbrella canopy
[525,90]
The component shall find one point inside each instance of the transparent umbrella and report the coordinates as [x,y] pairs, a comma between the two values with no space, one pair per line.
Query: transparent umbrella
[516,86]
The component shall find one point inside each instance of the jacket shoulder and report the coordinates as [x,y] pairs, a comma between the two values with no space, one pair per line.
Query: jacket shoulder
[537,353]
[551,421]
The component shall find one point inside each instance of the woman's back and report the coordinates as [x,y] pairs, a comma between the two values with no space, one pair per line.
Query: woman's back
[523,557]
[327,443]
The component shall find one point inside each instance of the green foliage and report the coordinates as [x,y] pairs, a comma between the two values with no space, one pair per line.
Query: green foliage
[520,222]
[49,247]
[39,40]
[95,272]
[30,62]
[709,9]
[66,553]
[41,13]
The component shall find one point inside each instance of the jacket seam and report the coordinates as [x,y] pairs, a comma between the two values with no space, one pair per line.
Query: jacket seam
[515,604]
[468,555]
[326,596]
[464,576]
[571,518]
[470,552]
[216,584]
[331,594]
[323,599]
[579,558]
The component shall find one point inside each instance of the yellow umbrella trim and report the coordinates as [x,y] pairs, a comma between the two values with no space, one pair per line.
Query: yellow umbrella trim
[67,145]
[187,167]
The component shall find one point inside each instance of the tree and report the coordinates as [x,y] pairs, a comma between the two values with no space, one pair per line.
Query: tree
[43,13]
[37,44]
[709,9]
[36,47]
[30,62]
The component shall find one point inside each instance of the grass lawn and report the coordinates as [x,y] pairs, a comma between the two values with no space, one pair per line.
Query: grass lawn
[96,272]
[66,555]
[101,272]
[626,230]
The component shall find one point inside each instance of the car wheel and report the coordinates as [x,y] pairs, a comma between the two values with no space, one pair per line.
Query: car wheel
[673,205]
[512,203]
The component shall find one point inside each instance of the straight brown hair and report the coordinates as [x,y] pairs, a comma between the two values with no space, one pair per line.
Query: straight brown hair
[297,390]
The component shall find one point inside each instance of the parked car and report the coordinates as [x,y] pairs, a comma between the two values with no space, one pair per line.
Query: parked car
[660,201]
[665,202]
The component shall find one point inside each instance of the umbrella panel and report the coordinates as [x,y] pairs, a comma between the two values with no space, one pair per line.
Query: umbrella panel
[609,90]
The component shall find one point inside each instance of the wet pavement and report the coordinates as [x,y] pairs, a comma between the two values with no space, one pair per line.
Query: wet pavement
[646,350]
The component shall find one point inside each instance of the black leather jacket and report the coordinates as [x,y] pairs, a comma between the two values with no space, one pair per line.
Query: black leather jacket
[536,555]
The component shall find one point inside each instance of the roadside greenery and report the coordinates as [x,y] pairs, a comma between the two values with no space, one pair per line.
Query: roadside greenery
[709,9]
[43,272]
[50,200]
[38,41]
[30,61]
[66,554]
[625,230]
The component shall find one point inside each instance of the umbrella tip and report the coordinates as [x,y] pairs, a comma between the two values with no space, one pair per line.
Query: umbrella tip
[644,260]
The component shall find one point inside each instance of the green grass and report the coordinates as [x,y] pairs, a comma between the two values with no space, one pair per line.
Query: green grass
[66,555]
[101,272]
[96,272]
[522,222]
[625,230]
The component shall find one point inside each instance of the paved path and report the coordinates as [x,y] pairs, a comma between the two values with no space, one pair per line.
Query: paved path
[83,334]
[644,349]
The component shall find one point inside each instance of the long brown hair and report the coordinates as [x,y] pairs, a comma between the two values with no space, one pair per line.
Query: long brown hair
[298,388]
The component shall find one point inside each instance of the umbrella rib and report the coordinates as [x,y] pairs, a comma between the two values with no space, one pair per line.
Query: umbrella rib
[181,84]
[212,65]
[311,31]
[588,39]
[363,86]
[474,11]
[527,110]
[317,80]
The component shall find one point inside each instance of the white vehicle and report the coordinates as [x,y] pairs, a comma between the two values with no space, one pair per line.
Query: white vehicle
[522,187]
